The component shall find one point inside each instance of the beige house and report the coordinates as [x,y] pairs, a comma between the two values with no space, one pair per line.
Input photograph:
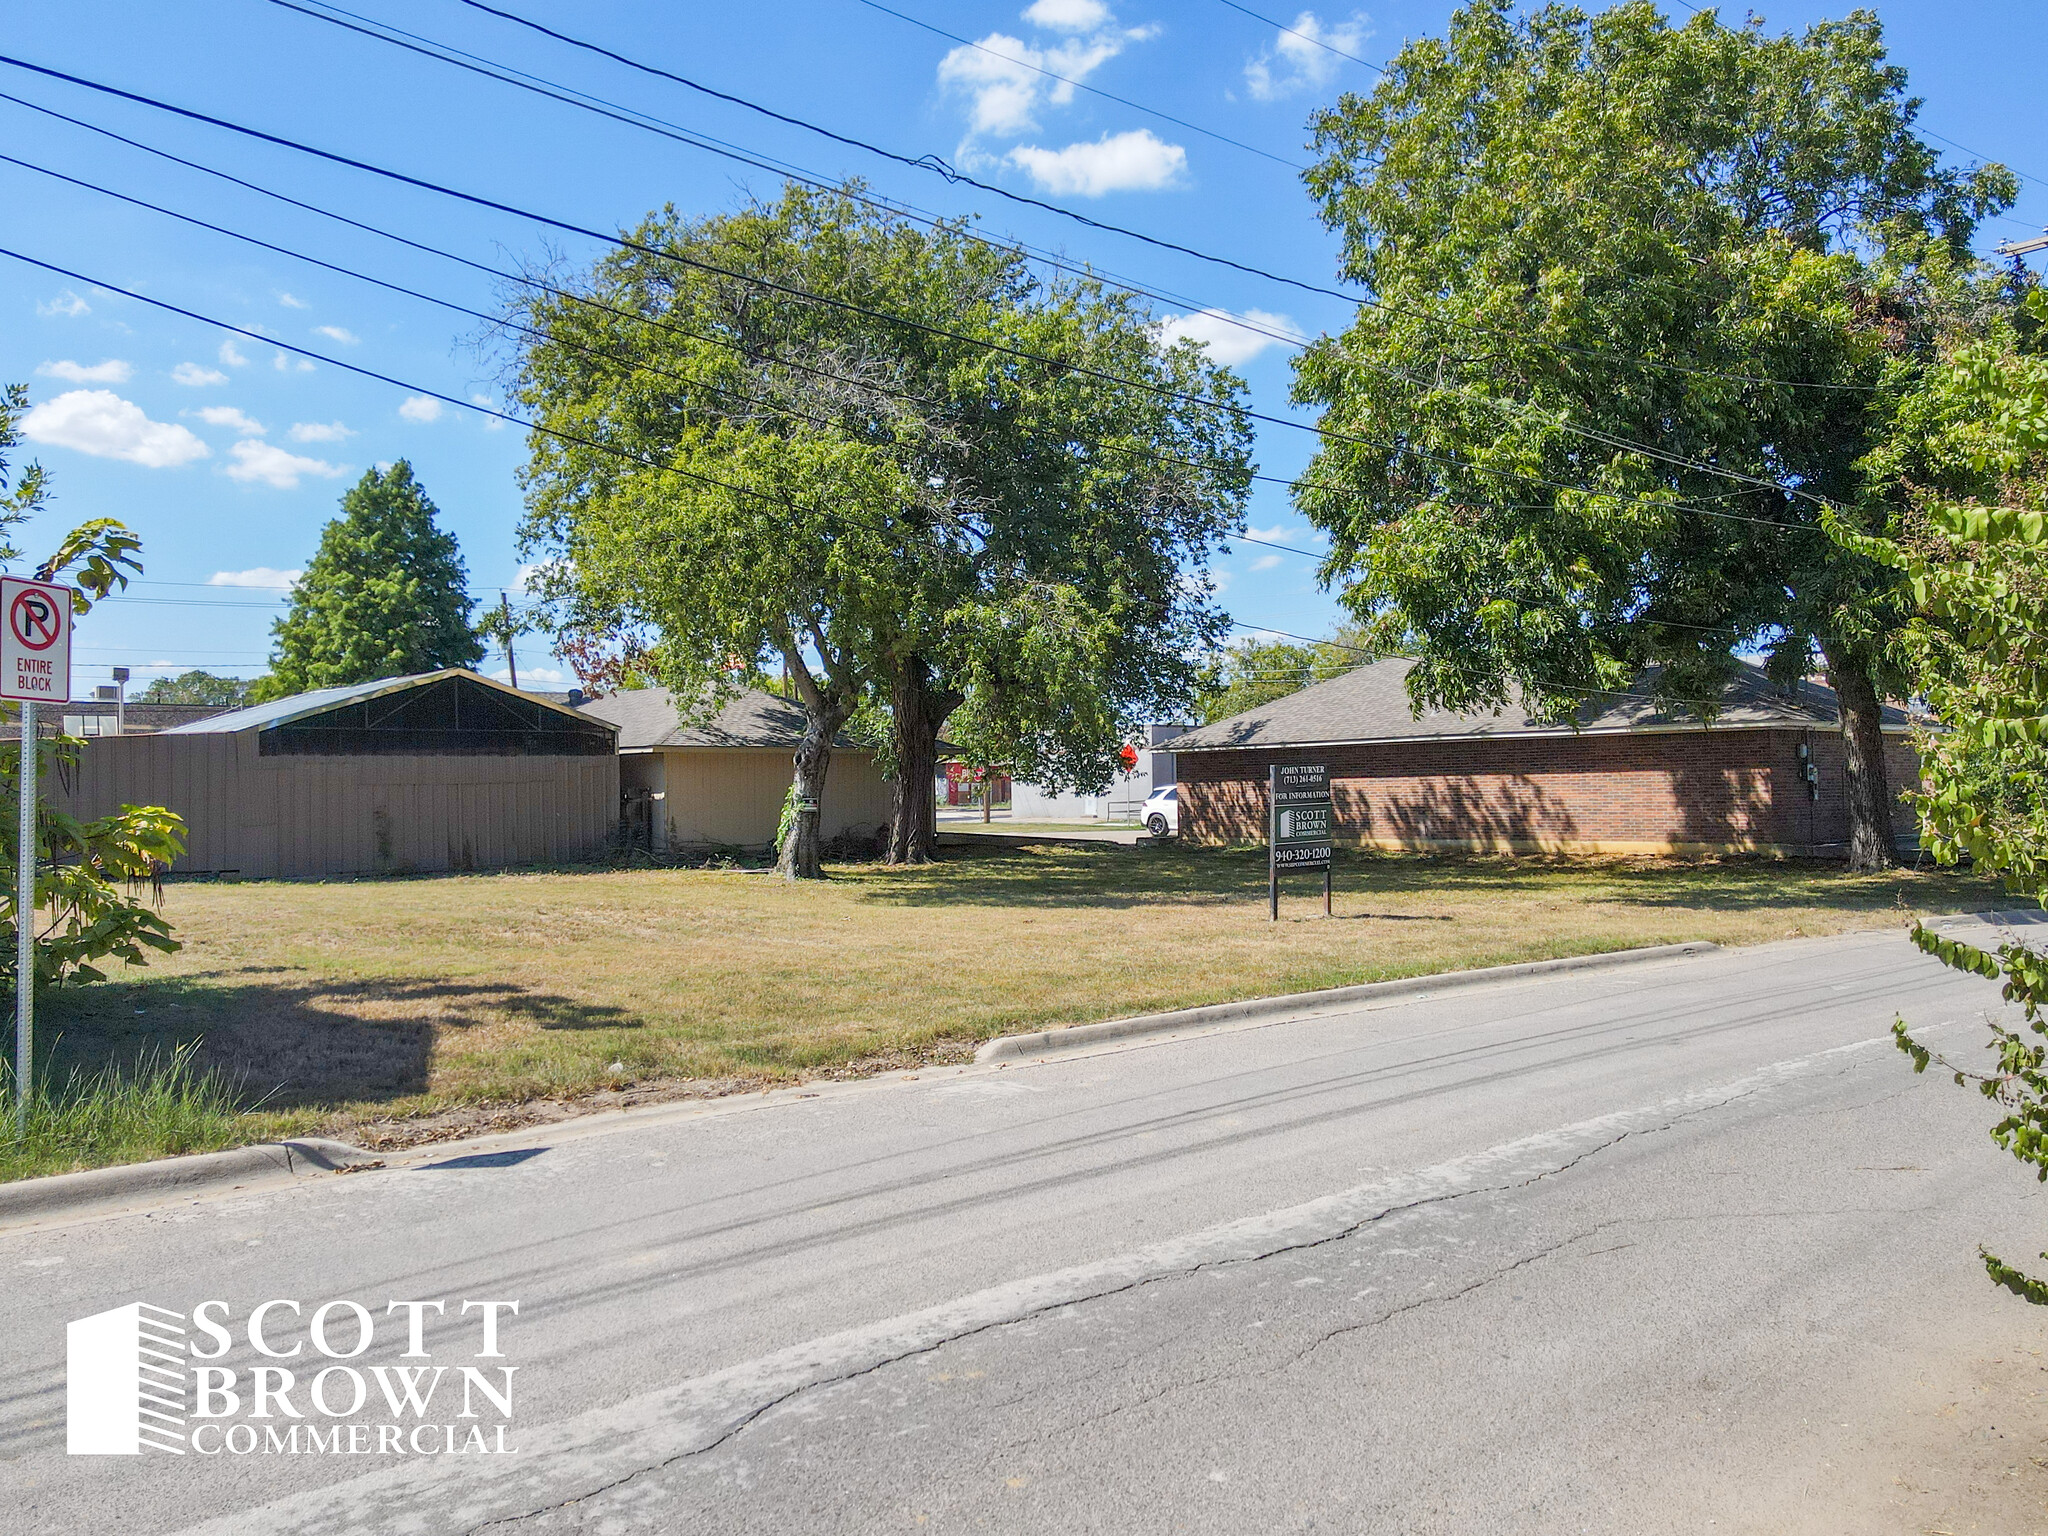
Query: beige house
[720,783]
[442,771]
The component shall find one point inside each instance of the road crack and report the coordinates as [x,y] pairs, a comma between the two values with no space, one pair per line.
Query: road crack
[753,1415]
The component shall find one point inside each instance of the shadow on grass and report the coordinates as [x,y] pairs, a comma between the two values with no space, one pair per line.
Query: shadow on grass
[1112,877]
[287,1044]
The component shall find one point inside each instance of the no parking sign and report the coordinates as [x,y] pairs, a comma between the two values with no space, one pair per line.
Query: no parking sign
[35,641]
[35,667]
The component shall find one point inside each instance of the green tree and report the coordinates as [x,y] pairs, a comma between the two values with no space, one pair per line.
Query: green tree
[196,687]
[1976,564]
[865,494]
[1255,672]
[1643,301]
[386,594]
[86,871]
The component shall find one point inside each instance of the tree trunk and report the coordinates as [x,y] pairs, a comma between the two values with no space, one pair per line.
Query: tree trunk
[801,856]
[1871,845]
[918,711]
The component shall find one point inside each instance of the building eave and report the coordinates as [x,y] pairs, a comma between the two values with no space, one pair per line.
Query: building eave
[1555,734]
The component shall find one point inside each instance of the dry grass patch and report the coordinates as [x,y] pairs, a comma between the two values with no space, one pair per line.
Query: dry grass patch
[385,1008]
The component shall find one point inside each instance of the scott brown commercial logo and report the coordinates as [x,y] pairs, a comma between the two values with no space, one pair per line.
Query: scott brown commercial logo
[130,1386]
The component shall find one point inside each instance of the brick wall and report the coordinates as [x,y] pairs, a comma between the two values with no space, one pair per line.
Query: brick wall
[1690,790]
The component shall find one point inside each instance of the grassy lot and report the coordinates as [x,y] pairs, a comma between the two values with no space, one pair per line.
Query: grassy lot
[394,1010]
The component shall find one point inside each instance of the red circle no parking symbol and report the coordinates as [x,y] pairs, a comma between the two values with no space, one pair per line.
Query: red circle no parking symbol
[35,620]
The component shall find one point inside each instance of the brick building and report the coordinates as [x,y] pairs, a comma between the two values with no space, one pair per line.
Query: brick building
[1627,776]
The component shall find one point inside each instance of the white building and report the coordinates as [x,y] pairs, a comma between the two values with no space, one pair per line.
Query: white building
[1153,770]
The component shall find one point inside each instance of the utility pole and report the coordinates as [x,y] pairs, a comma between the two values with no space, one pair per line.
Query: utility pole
[505,620]
[2023,247]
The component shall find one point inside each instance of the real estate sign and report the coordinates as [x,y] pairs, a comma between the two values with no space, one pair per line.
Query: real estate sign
[1298,825]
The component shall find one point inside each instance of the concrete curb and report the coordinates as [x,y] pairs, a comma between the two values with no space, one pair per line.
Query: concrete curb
[1010,1047]
[61,1194]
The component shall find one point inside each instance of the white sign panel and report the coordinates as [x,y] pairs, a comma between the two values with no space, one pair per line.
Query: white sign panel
[35,641]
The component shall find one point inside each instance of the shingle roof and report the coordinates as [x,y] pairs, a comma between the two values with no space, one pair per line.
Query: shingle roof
[650,717]
[1370,703]
[278,711]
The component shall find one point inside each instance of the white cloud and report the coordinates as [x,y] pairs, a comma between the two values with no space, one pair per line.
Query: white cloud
[292,301]
[522,580]
[67,304]
[421,408]
[196,376]
[285,362]
[491,423]
[230,356]
[1297,62]
[319,432]
[255,576]
[227,416]
[338,333]
[530,677]
[1266,562]
[112,371]
[1067,15]
[101,423]
[1280,531]
[1120,162]
[1005,79]
[1231,339]
[276,466]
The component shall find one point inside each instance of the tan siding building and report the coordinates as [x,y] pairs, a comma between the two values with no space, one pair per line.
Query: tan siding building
[720,782]
[446,771]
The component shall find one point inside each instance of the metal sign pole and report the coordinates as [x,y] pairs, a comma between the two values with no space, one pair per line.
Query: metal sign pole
[35,667]
[25,926]
[1273,842]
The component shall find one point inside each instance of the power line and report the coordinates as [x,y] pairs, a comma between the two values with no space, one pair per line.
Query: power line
[447,399]
[634,118]
[783,410]
[1292,484]
[773,407]
[1988,159]
[926,328]
[189,602]
[927,162]
[1306,37]
[649,124]
[385,378]
[929,221]
[1122,101]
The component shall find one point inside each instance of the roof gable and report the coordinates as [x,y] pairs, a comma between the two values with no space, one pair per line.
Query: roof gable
[648,718]
[1371,703]
[279,712]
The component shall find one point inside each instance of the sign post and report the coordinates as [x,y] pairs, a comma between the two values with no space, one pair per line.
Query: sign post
[1298,825]
[35,667]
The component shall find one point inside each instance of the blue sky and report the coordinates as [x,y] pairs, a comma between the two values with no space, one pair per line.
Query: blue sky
[228,454]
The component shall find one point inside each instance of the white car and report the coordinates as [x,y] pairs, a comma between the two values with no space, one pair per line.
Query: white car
[1161,813]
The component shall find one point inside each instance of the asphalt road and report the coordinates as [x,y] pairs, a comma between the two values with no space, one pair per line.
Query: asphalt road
[1634,1250]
